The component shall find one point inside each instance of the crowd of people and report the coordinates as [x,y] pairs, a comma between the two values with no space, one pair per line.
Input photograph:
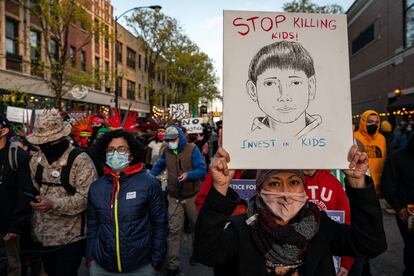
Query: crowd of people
[121,195]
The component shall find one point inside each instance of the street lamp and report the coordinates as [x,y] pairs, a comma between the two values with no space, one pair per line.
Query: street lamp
[156,8]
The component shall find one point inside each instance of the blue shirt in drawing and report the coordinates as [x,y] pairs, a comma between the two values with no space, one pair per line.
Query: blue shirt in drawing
[311,122]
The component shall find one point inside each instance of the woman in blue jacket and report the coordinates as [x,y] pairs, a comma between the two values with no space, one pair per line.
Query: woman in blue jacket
[126,214]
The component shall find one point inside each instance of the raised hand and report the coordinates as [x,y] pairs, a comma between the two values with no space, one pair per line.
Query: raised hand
[357,168]
[222,176]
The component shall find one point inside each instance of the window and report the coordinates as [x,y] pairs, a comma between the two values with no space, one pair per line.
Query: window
[96,38]
[12,36]
[139,91]
[72,56]
[363,39]
[83,60]
[97,74]
[107,72]
[139,61]
[118,52]
[35,46]
[106,37]
[131,58]
[131,90]
[119,86]
[146,64]
[409,23]
[54,50]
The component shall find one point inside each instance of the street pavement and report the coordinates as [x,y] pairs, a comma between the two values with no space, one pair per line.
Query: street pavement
[387,264]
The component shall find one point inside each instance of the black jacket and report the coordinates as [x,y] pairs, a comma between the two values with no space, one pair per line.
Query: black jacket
[397,180]
[219,244]
[14,205]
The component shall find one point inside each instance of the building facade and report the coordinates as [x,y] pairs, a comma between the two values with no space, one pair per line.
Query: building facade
[21,35]
[381,40]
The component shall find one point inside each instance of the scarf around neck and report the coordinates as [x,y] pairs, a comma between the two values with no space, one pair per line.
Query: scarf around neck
[282,245]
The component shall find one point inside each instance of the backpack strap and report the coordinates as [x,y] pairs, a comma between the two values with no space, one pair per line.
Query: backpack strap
[65,173]
[13,163]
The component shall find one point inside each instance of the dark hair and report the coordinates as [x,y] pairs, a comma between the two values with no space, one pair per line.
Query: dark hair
[98,150]
[282,55]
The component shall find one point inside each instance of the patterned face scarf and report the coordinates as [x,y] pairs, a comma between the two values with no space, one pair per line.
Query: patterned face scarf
[283,246]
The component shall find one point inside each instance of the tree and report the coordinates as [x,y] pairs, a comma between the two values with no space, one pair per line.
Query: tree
[57,19]
[159,32]
[308,7]
[189,71]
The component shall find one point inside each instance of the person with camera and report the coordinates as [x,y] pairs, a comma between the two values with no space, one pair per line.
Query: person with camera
[186,168]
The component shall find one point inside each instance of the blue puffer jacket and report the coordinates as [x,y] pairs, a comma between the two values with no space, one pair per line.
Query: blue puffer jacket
[141,230]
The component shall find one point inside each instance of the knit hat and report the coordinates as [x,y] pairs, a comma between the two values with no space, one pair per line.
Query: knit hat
[263,174]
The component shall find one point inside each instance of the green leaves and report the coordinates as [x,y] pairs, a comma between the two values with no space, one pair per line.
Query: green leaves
[307,6]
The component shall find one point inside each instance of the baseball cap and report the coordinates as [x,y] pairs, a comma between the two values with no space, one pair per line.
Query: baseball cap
[171,133]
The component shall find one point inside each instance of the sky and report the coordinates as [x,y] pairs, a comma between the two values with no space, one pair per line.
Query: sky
[202,20]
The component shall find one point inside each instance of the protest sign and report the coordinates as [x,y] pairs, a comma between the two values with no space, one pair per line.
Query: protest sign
[179,111]
[18,115]
[338,216]
[286,88]
[246,188]
[193,125]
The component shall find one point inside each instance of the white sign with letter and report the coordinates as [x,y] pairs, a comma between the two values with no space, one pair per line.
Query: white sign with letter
[193,125]
[286,87]
[179,111]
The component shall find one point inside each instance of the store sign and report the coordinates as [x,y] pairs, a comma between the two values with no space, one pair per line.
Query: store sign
[79,92]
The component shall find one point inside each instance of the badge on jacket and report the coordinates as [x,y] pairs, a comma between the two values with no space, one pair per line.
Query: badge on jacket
[131,195]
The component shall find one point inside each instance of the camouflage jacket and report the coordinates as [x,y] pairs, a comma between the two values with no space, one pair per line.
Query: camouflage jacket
[62,224]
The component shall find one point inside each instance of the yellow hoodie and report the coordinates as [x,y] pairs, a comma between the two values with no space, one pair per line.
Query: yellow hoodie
[375,146]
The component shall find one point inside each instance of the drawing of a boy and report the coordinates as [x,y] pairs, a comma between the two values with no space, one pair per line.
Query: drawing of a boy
[282,82]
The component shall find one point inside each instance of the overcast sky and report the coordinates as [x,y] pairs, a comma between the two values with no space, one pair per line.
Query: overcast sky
[202,20]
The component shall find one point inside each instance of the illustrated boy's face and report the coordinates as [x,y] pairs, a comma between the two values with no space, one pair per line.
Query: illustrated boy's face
[282,94]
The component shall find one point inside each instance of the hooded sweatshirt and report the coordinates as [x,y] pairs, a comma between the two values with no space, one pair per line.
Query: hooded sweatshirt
[375,147]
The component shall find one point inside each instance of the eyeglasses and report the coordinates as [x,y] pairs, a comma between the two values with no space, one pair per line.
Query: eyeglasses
[121,150]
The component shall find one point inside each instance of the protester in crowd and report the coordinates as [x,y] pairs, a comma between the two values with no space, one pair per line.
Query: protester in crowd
[386,131]
[374,142]
[154,148]
[398,190]
[98,126]
[284,234]
[186,168]
[326,192]
[401,138]
[127,217]
[14,204]
[61,175]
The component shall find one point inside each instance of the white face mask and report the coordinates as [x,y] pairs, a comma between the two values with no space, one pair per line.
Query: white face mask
[173,145]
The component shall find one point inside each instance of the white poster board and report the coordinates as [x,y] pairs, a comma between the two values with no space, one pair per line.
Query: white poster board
[180,111]
[286,86]
[18,115]
[193,125]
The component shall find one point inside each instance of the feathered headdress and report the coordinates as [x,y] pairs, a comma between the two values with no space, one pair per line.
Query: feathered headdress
[82,130]
[115,121]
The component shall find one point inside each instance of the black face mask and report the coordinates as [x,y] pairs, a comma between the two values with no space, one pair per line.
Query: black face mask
[372,129]
[54,151]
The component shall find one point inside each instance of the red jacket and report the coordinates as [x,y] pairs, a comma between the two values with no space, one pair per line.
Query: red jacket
[205,188]
[327,193]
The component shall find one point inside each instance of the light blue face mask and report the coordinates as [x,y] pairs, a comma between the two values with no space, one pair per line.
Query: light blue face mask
[173,145]
[117,162]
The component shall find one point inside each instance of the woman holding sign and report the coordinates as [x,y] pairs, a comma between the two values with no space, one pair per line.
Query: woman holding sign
[283,233]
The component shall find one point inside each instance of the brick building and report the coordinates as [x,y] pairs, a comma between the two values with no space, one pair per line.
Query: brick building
[20,35]
[381,40]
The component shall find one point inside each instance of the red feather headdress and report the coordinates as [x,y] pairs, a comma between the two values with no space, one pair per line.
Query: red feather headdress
[115,121]
[82,130]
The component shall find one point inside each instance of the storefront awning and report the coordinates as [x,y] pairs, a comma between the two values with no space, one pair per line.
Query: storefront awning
[406,101]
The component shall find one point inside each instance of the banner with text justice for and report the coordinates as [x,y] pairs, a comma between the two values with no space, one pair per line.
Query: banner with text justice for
[286,87]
